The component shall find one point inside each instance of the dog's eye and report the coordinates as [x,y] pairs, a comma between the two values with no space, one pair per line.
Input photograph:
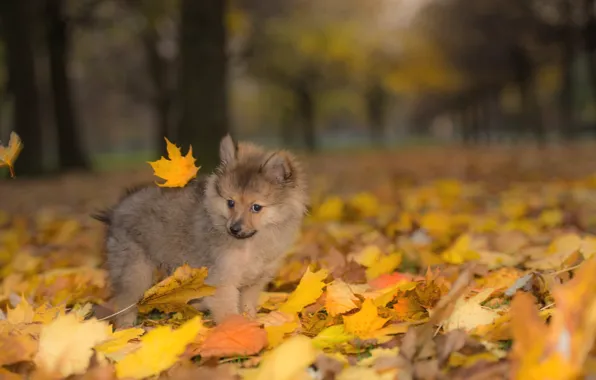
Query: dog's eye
[231,203]
[255,207]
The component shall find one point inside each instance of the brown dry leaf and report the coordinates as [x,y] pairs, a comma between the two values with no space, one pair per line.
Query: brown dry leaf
[173,293]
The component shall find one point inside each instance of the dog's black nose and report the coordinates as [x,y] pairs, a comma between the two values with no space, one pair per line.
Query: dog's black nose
[235,228]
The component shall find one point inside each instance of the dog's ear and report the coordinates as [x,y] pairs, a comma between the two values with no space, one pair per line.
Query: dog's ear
[227,150]
[279,167]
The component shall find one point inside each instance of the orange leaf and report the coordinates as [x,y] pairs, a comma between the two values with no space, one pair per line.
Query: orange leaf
[9,153]
[178,170]
[234,336]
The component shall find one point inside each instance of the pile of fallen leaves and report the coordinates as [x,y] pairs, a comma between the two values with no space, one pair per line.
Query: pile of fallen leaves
[439,279]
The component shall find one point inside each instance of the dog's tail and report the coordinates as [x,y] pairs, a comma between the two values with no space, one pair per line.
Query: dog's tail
[104,216]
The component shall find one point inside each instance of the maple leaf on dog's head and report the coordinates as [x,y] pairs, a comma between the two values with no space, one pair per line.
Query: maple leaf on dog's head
[178,170]
[9,153]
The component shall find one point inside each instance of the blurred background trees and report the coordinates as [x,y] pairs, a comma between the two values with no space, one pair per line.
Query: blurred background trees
[97,83]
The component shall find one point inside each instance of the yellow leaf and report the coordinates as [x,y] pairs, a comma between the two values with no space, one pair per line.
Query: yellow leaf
[460,251]
[436,223]
[357,373]
[308,291]
[9,153]
[565,245]
[330,210]
[276,333]
[551,218]
[159,350]
[65,345]
[384,265]
[366,321]
[173,293]
[178,170]
[286,362]
[118,340]
[331,337]
[365,204]
[368,256]
[468,314]
[340,298]
[22,313]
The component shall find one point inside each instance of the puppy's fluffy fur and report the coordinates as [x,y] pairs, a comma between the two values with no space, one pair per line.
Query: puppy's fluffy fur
[211,222]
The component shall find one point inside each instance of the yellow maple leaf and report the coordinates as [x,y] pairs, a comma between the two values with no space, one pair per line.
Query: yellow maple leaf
[366,321]
[461,251]
[159,350]
[9,153]
[308,291]
[65,344]
[173,293]
[178,170]
[340,298]
[118,340]
[287,361]
[276,333]
[331,337]
[384,265]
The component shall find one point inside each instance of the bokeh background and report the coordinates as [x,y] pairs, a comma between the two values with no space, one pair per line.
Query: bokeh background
[97,84]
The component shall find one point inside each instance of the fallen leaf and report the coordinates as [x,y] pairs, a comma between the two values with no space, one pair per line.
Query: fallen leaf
[159,349]
[65,344]
[331,336]
[308,291]
[173,293]
[16,348]
[340,298]
[178,170]
[469,314]
[365,321]
[234,336]
[286,362]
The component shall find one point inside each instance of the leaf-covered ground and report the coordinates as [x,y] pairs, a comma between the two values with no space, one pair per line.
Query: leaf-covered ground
[437,263]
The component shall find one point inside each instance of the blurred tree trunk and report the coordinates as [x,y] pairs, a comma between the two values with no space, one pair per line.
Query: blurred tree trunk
[18,21]
[589,40]
[202,81]
[287,126]
[70,151]
[159,71]
[305,105]
[566,122]
[376,104]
